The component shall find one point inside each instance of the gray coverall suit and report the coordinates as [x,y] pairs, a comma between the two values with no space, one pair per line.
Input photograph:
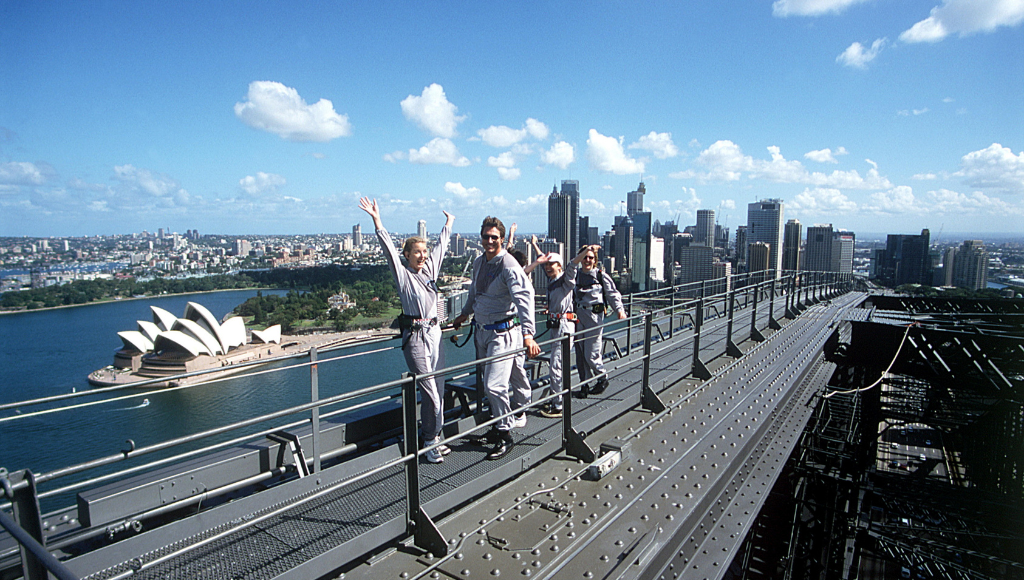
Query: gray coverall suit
[500,290]
[591,288]
[422,350]
[560,303]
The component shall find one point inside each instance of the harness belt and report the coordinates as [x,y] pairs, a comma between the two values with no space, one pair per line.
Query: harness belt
[553,319]
[502,324]
[409,322]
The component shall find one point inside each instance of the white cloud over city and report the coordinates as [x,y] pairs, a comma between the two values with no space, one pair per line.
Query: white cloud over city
[659,144]
[273,107]
[784,8]
[261,183]
[858,56]
[607,155]
[964,18]
[439,151]
[432,112]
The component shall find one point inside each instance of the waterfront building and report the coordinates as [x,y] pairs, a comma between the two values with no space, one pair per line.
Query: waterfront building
[905,260]
[764,224]
[791,245]
[758,258]
[843,242]
[948,259]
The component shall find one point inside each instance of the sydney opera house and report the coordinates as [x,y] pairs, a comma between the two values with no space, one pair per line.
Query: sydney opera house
[169,346]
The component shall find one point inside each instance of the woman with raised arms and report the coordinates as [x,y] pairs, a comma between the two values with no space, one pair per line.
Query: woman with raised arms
[421,332]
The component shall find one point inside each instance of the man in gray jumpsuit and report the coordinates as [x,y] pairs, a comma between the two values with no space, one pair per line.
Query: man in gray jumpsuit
[500,301]
[593,288]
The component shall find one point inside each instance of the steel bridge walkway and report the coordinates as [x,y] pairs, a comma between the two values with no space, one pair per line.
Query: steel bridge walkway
[315,526]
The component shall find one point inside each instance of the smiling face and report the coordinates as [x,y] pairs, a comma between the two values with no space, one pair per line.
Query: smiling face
[553,269]
[491,240]
[416,254]
[589,260]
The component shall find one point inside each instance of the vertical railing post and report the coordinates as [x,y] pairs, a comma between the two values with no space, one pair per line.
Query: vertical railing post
[314,395]
[697,368]
[27,515]
[648,323]
[672,307]
[772,322]
[755,334]
[730,346]
[411,446]
[566,387]
[629,324]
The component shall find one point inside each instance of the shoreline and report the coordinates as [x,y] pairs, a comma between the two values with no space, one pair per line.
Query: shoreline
[109,300]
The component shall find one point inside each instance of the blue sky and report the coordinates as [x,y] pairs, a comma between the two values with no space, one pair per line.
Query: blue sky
[274,117]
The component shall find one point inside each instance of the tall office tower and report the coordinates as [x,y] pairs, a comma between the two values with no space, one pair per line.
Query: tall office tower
[657,262]
[696,263]
[673,245]
[635,200]
[421,229]
[346,244]
[721,272]
[758,257]
[970,267]
[791,245]
[160,233]
[842,251]
[623,254]
[242,248]
[564,214]
[642,242]
[906,260]
[705,234]
[764,224]
[741,244]
[721,237]
[948,259]
[818,254]
[357,236]
[457,245]
[584,232]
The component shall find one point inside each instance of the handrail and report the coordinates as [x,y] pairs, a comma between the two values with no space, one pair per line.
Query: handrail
[820,288]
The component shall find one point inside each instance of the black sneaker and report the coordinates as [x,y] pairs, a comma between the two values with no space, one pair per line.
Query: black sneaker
[599,387]
[583,392]
[489,438]
[503,446]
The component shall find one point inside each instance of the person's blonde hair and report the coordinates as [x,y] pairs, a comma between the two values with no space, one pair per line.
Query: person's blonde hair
[409,242]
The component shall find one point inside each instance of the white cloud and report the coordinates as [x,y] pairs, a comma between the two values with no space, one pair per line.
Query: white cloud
[466,196]
[857,56]
[501,136]
[22,173]
[659,144]
[909,112]
[727,204]
[995,166]
[432,112]
[725,161]
[952,202]
[141,187]
[506,159]
[439,151]
[822,200]
[262,183]
[591,206]
[394,156]
[537,130]
[509,173]
[965,17]
[824,155]
[783,8]
[278,109]
[924,176]
[607,155]
[687,205]
[560,155]
[898,200]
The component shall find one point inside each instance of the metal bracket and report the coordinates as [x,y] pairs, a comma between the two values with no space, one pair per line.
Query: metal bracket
[577,447]
[298,457]
[774,324]
[732,350]
[650,401]
[755,334]
[428,537]
[700,370]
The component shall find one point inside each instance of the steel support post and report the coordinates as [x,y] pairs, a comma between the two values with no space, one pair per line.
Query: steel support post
[772,323]
[791,297]
[649,400]
[629,325]
[672,307]
[698,368]
[755,334]
[573,442]
[314,388]
[425,534]
[27,516]
[730,346]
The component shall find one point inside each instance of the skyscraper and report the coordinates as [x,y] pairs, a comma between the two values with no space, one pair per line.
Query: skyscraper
[818,257]
[970,266]
[705,234]
[843,242]
[421,229]
[564,214]
[764,224]
[741,244]
[906,260]
[791,245]
[758,257]
[623,254]
[635,200]
[357,236]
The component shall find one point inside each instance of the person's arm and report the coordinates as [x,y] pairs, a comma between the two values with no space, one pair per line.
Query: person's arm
[613,293]
[522,296]
[536,247]
[467,309]
[541,259]
[445,240]
[511,237]
[387,246]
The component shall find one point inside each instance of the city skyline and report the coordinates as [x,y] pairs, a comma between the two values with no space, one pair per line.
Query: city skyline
[876,117]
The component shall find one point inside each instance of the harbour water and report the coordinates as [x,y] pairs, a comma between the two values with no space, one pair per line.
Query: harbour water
[51,352]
